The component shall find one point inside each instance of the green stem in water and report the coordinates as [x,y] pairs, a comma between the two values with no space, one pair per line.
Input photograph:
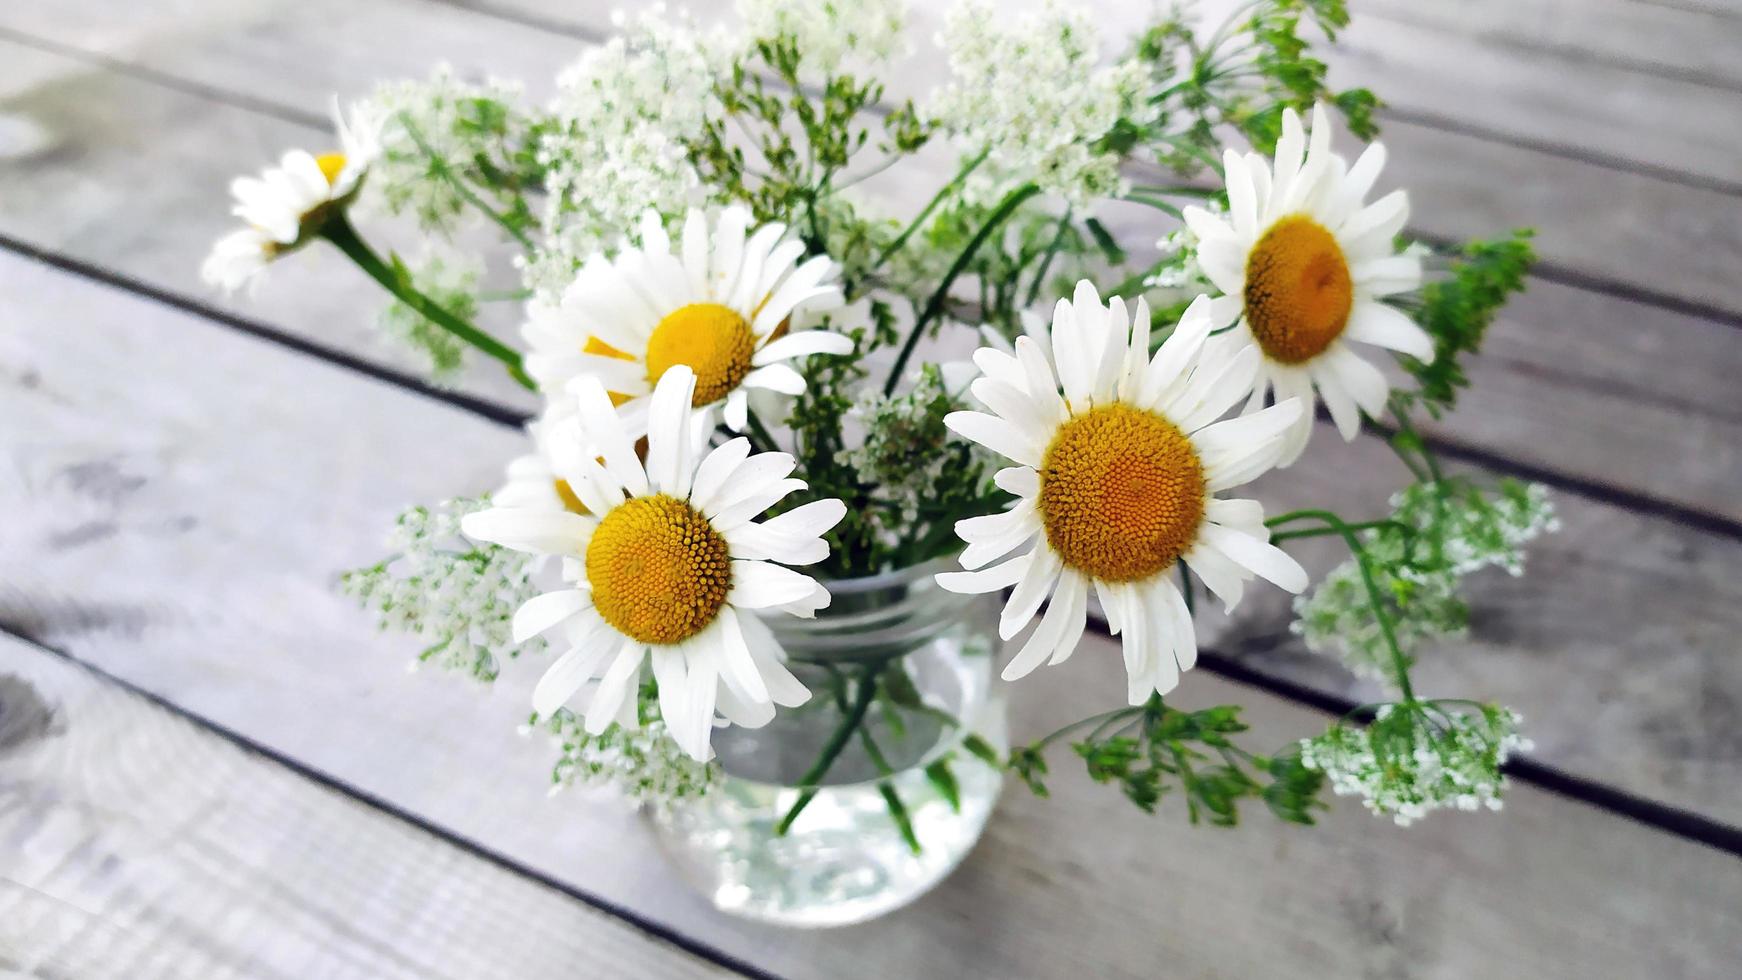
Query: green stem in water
[338,230]
[925,212]
[935,305]
[891,799]
[832,749]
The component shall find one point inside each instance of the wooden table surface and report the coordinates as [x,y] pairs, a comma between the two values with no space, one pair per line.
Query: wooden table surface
[210,764]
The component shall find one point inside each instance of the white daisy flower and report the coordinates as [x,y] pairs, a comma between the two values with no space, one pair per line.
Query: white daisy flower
[720,306]
[284,207]
[1303,265]
[532,480]
[667,566]
[1116,481]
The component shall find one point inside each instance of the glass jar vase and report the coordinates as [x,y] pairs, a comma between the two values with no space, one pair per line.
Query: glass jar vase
[857,802]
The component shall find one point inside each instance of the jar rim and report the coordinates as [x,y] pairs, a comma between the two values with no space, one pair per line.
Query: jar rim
[884,580]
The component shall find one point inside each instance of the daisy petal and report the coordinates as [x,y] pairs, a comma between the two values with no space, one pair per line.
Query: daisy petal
[546,611]
[1266,560]
[759,585]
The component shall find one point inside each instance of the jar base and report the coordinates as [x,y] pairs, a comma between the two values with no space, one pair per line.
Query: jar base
[843,861]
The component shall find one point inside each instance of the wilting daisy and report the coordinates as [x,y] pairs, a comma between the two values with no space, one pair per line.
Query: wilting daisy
[285,206]
[1116,481]
[719,306]
[1303,265]
[667,564]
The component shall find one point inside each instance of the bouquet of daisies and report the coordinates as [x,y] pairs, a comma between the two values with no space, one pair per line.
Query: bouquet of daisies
[1139,273]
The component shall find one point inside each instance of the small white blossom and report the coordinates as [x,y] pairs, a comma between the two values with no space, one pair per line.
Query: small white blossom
[623,113]
[1033,94]
[451,281]
[459,597]
[1454,530]
[433,131]
[1417,758]
[832,35]
[645,764]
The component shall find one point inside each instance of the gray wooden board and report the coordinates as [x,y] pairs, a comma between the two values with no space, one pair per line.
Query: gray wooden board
[173,525]
[135,843]
[1595,374]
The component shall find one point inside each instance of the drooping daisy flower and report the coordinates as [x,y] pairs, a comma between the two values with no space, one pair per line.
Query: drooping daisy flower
[1116,481]
[719,306]
[285,206]
[1303,265]
[667,565]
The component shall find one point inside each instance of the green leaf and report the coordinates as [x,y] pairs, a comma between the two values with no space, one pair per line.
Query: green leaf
[944,781]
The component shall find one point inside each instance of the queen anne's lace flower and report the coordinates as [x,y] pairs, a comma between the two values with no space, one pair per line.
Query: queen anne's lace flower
[643,763]
[832,35]
[459,597]
[622,114]
[1032,93]
[1415,758]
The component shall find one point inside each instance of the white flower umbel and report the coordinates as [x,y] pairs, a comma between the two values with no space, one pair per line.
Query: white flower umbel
[1303,265]
[1117,481]
[720,306]
[832,35]
[667,565]
[283,208]
[622,115]
[1033,94]
[1416,758]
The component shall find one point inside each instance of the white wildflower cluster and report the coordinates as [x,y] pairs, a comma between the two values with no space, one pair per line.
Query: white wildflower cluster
[451,280]
[1032,93]
[645,764]
[616,148]
[1442,532]
[907,451]
[433,132]
[833,36]
[457,596]
[1417,758]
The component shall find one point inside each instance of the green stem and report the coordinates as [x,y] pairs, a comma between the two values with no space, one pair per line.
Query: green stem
[930,206]
[761,434]
[1005,209]
[1399,662]
[891,799]
[466,193]
[1052,251]
[1327,531]
[338,230]
[833,748]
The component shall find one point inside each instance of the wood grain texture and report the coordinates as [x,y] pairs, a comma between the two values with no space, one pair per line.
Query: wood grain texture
[177,528]
[135,843]
[1572,380]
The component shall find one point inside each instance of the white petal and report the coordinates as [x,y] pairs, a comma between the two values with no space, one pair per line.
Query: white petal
[1037,582]
[809,520]
[1388,327]
[534,531]
[1267,560]
[776,377]
[786,690]
[1020,480]
[568,673]
[802,344]
[1364,382]
[542,612]
[736,664]
[1071,350]
[995,434]
[759,585]
[604,429]
[754,505]
[1219,572]
[1076,592]
[999,576]
[668,469]
[615,687]
[716,468]
[995,535]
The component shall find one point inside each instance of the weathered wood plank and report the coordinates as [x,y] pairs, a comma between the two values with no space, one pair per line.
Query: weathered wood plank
[138,844]
[1683,40]
[196,567]
[1555,378]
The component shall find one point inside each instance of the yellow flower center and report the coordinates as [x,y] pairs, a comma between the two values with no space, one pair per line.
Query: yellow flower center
[659,571]
[1298,290]
[331,164]
[1122,493]
[713,340]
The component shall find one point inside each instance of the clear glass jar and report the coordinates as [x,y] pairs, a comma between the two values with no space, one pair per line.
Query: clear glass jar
[776,841]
